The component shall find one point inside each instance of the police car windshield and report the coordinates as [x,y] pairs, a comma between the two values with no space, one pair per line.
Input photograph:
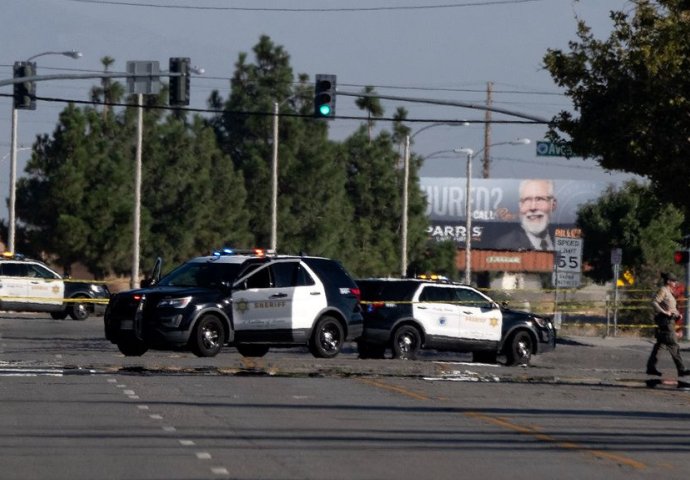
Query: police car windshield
[194,274]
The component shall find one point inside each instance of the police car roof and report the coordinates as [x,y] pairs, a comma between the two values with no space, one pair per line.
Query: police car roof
[241,258]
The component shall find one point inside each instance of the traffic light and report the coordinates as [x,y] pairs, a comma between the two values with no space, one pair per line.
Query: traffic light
[24,92]
[681,257]
[324,96]
[179,84]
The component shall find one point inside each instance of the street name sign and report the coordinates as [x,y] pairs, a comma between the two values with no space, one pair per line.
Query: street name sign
[550,149]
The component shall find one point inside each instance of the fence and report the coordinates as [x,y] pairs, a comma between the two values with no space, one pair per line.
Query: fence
[589,311]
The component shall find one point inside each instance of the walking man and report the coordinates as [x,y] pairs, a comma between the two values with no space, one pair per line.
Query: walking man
[665,314]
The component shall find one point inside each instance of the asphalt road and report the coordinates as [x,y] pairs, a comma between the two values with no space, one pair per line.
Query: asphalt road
[74,408]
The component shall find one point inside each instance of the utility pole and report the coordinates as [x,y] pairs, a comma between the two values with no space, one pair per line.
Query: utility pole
[486,167]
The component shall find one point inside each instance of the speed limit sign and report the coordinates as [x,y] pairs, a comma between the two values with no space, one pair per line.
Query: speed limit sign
[568,262]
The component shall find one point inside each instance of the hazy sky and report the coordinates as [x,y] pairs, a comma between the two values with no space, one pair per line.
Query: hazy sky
[445,50]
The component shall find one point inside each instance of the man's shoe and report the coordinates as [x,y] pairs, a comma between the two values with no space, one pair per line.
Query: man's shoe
[684,373]
[654,371]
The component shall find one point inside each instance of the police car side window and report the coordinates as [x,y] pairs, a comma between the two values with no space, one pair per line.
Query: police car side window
[303,278]
[470,298]
[290,274]
[284,274]
[260,279]
[436,294]
[40,272]
[14,269]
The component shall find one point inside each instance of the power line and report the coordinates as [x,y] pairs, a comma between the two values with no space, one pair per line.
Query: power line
[282,114]
[514,91]
[308,10]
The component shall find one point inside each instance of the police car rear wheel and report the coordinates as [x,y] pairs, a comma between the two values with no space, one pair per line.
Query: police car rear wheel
[406,343]
[327,338]
[208,337]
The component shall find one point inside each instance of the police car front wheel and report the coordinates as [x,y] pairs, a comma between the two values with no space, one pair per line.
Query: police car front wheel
[519,349]
[208,337]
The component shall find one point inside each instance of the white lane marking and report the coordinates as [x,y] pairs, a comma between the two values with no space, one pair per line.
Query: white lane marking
[203,455]
[119,385]
[155,416]
[169,429]
[220,471]
[134,397]
[112,380]
[129,392]
[187,443]
[143,407]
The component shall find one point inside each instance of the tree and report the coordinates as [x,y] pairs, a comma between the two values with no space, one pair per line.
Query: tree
[77,199]
[372,105]
[109,92]
[69,211]
[632,94]
[245,128]
[311,179]
[374,188]
[635,220]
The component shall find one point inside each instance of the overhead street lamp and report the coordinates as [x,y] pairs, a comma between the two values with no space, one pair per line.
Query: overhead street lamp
[406,188]
[12,221]
[471,154]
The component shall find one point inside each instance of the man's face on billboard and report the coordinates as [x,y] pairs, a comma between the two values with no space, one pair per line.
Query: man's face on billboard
[536,205]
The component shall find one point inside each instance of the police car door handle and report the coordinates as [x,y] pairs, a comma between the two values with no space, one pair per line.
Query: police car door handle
[422,307]
[314,293]
[278,295]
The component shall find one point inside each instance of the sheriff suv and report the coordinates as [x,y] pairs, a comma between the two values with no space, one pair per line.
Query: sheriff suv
[247,299]
[411,314]
[31,286]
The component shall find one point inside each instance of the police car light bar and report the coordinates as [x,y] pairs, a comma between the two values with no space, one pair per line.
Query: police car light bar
[259,252]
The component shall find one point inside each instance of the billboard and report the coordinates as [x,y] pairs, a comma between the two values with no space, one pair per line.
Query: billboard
[507,214]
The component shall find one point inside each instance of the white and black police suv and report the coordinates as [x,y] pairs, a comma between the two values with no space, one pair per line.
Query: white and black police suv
[28,285]
[248,299]
[407,315]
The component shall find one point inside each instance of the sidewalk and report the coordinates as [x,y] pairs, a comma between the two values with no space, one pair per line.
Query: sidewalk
[613,342]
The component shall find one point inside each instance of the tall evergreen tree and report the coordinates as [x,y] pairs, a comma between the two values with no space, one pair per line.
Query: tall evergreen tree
[245,128]
[372,105]
[74,195]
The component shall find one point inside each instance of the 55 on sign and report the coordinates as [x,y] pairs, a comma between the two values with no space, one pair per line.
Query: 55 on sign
[568,264]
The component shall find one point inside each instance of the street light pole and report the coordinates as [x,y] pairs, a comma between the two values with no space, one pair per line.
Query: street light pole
[406,187]
[274,180]
[13,183]
[12,220]
[468,199]
[134,283]
[406,181]
[468,215]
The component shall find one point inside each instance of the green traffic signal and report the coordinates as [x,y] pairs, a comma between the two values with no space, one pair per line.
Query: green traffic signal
[324,96]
